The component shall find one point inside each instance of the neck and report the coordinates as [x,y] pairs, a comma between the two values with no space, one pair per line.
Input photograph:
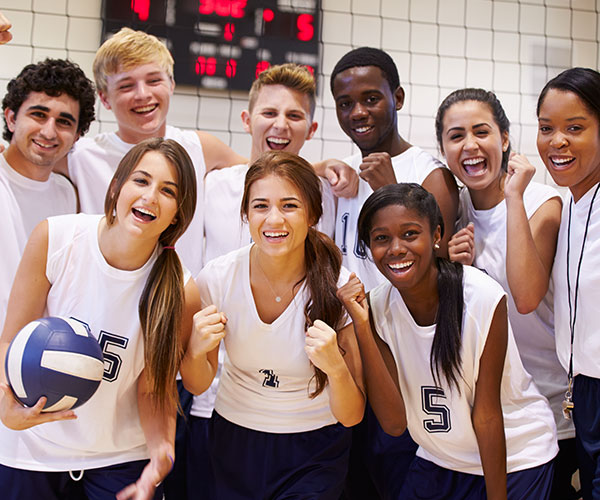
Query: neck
[137,137]
[579,190]
[394,145]
[121,250]
[280,269]
[422,300]
[20,164]
[484,199]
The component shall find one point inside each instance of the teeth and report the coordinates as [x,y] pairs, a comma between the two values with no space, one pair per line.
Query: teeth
[473,161]
[145,212]
[361,130]
[401,265]
[42,145]
[562,161]
[278,140]
[269,234]
[145,109]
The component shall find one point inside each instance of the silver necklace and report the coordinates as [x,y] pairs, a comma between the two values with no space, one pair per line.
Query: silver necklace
[277,297]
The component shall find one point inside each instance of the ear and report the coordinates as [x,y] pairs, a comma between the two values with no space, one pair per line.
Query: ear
[437,236]
[505,142]
[311,130]
[10,117]
[246,121]
[399,97]
[104,99]
[172,85]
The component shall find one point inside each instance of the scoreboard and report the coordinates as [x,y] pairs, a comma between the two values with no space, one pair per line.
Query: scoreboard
[224,44]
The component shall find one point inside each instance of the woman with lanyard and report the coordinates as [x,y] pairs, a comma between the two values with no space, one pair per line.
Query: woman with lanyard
[292,379]
[568,141]
[119,274]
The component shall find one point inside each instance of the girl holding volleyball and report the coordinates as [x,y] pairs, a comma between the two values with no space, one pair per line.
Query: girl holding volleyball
[118,274]
[568,141]
[291,382]
[439,358]
[509,226]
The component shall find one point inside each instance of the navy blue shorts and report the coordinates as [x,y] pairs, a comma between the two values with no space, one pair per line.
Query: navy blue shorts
[378,462]
[96,484]
[249,464]
[586,417]
[200,480]
[175,483]
[565,465]
[428,481]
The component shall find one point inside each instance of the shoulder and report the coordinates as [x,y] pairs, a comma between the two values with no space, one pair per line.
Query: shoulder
[223,266]
[183,135]
[481,292]
[226,176]
[536,194]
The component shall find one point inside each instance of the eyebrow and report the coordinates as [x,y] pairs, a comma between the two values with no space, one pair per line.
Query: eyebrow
[478,125]
[46,109]
[542,119]
[287,198]
[143,172]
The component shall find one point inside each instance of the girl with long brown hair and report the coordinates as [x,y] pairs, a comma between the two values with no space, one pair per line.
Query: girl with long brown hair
[292,380]
[119,274]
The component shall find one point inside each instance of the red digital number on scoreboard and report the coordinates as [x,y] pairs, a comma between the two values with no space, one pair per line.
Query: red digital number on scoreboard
[223,8]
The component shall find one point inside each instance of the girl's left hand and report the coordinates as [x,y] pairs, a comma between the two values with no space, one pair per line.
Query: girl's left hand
[519,174]
[152,475]
[322,348]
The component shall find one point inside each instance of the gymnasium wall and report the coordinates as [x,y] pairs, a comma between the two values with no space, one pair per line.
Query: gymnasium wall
[510,47]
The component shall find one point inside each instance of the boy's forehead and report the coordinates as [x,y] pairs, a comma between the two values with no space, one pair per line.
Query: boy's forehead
[280,97]
[135,71]
[359,74]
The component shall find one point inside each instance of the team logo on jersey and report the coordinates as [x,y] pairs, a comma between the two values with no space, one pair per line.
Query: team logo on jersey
[271,379]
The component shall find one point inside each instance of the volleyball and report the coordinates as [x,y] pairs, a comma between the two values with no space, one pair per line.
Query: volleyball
[57,358]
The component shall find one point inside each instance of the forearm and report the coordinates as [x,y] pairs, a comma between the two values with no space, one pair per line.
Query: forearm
[382,390]
[528,277]
[492,450]
[321,166]
[346,400]
[197,372]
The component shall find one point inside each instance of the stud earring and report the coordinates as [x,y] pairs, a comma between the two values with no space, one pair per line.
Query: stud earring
[436,246]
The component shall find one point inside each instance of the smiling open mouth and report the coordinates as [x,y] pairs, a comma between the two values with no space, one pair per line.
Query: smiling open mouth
[475,166]
[561,162]
[145,109]
[277,143]
[143,214]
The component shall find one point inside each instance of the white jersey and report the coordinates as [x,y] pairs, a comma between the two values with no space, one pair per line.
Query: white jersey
[93,162]
[586,346]
[439,418]
[13,243]
[85,287]
[267,376]
[29,203]
[534,332]
[414,165]
[223,226]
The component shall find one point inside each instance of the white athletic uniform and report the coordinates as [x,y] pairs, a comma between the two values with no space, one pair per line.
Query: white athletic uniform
[107,430]
[267,376]
[414,165]
[534,332]
[93,162]
[13,242]
[28,202]
[439,418]
[586,346]
[223,226]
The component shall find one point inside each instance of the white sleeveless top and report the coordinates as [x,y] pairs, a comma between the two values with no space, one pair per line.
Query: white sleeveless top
[586,347]
[439,419]
[267,376]
[85,287]
[534,332]
[93,162]
[414,165]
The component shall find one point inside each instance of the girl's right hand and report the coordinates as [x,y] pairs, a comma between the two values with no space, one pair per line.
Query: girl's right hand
[18,417]
[461,247]
[519,174]
[353,296]
[208,331]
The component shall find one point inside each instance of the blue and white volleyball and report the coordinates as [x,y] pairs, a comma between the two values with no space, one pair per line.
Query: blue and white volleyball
[57,358]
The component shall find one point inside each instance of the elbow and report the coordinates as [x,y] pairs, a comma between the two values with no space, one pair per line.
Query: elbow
[394,429]
[526,305]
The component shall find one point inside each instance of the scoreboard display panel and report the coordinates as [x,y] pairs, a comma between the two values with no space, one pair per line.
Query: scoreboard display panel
[224,44]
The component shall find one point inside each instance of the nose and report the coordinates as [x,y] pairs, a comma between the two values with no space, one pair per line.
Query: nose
[397,247]
[141,90]
[358,111]
[471,143]
[558,140]
[150,194]
[48,130]
[280,121]
[274,215]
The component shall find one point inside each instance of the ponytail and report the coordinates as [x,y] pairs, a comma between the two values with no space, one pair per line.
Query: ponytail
[445,349]
[323,261]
